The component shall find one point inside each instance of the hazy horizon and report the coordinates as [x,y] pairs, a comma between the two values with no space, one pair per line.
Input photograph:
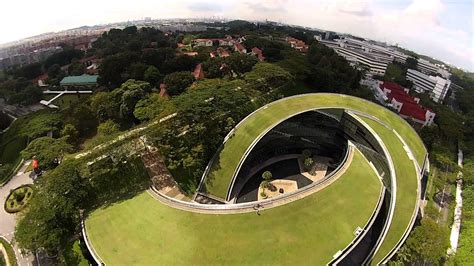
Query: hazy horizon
[440,29]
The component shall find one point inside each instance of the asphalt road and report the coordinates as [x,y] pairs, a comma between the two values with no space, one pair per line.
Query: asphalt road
[7,220]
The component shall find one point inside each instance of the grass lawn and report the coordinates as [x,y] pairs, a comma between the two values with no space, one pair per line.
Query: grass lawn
[142,231]
[406,188]
[223,169]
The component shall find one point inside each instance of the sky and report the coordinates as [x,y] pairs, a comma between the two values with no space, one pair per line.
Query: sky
[442,29]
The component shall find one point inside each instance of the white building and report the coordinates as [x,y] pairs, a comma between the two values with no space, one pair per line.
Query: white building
[374,49]
[436,86]
[376,65]
[427,67]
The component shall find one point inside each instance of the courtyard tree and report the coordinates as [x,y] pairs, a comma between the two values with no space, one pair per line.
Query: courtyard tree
[267,176]
[308,162]
[306,153]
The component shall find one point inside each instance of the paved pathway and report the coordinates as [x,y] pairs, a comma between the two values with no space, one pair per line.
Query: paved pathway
[7,220]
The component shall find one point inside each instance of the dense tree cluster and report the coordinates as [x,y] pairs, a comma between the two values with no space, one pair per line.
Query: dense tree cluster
[19,86]
[47,150]
[141,54]
[236,64]
[135,63]
[331,72]
[427,244]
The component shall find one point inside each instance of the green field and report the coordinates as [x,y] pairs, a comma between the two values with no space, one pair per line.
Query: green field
[223,169]
[406,188]
[142,231]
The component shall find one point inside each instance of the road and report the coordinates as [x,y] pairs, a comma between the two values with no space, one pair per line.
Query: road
[7,220]
[456,227]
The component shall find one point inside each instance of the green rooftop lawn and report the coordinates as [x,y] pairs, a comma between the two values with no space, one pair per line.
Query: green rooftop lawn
[222,170]
[142,231]
[406,188]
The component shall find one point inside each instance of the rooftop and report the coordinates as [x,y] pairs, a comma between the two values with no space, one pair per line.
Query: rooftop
[222,171]
[410,106]
[79,80]
[291,233]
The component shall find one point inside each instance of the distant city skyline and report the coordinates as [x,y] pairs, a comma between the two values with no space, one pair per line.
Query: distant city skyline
[441,29]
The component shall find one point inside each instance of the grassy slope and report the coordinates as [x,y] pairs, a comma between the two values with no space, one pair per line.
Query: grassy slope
[73,255]
[222,170]
[142,231]
[14,140]
[67,99]
[406,187]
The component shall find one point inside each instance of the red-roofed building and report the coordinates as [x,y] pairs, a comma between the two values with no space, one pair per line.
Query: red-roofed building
[41,80]
[202,42]
[222,52]
[238,47]
[258,53]
[198,72]
[192,54]
[406,105]
[298,45]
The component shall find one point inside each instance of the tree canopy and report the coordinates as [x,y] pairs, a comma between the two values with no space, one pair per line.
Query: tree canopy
[46,149]
[178,82]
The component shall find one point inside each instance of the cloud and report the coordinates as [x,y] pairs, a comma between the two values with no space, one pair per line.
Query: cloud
[414,24]
[205,7]
[264,8]
[356,8]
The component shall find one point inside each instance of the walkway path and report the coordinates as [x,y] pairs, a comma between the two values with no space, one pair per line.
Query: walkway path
[161,178]
[8,221]
[454,238]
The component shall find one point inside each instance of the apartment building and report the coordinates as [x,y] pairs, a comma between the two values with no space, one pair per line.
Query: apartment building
[428,68]
[436,86]
[375,65]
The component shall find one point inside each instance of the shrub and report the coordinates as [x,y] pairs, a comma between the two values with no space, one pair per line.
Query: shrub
[271,187]
[308,162]
[19,195]
[306,153]
[267,175]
